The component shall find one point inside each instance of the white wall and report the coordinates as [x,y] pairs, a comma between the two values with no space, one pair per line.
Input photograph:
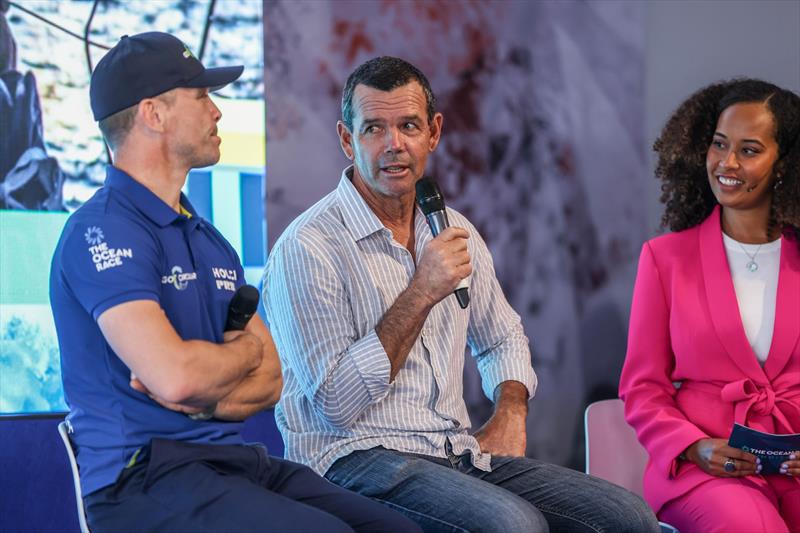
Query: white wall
[692,43]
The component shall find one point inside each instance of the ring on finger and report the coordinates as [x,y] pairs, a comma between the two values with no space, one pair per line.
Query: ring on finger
[729,466]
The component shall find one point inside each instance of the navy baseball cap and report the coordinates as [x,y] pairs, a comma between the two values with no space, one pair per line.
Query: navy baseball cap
[146,65]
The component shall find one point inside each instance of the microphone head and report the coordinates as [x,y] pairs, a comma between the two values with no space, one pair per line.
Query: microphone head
[245,300]
[242,307]
[429,197]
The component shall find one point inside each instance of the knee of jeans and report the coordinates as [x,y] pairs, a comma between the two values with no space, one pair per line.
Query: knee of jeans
[514,514]
[631,514]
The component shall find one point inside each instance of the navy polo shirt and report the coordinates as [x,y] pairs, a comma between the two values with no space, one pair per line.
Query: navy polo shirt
[126,244]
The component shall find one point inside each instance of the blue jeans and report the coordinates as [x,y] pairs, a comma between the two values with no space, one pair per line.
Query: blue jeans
[519,494]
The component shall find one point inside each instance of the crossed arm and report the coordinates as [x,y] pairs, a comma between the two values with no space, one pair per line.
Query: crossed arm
[261,388]
[232,380]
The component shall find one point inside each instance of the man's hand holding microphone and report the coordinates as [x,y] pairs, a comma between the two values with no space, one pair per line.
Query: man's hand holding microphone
[445,263]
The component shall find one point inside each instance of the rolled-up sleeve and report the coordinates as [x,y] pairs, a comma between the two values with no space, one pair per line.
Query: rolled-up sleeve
[311,321]
[495,334]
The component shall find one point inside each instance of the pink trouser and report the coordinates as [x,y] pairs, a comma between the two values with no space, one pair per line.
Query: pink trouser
[736,505]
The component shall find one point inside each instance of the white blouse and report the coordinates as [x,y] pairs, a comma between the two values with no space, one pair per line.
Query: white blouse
[756,289]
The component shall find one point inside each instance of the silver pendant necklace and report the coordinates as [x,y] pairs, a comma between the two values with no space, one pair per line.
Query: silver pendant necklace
[751,265]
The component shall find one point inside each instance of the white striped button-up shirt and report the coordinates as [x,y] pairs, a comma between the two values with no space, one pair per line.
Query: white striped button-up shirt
[330,278]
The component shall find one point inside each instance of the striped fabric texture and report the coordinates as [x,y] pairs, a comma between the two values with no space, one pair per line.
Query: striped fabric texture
[330,278]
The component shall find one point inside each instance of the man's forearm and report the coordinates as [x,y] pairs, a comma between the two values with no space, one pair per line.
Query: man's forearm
[195,373]
[511,397]
[258,391]
[261,388]
[212,371]
[504,432]
[400,326]
[204,401]
[253,394]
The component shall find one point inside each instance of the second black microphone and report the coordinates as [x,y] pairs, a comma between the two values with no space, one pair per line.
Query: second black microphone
[242,307]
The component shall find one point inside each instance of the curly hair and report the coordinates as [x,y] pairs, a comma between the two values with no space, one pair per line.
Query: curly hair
[684,142]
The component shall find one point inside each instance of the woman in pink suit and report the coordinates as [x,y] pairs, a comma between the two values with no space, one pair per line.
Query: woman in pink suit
[715,324]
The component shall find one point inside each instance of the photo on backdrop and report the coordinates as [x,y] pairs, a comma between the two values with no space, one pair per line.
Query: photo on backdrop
[54,157]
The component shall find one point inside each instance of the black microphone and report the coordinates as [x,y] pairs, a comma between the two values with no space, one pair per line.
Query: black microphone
[431,202]
[242,307]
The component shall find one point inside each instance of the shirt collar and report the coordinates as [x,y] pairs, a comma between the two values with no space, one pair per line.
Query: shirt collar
[358,218]
[144,199]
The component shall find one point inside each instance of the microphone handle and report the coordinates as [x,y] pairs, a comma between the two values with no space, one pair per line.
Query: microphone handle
[438,222]
[237,321]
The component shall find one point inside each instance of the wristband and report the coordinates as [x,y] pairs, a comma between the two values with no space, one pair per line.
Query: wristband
[204,415]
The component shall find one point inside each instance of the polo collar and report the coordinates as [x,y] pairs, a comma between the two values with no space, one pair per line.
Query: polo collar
[144,199]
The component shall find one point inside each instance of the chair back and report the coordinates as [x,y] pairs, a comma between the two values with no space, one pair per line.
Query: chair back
[612,451]
[64,429]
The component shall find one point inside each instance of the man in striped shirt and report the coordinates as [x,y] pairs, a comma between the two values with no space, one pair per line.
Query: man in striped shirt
[358,295]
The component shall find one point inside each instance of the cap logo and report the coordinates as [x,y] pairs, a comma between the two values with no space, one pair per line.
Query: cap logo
[186,52]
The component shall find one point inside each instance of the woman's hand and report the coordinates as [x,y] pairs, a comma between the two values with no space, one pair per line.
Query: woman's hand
[711,455]
[792,466]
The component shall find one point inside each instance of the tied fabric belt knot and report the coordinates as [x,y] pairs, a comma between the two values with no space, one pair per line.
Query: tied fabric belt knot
[747,396]
[745,393]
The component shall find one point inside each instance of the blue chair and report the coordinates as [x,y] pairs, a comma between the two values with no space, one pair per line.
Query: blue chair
[65,429]
[613,452]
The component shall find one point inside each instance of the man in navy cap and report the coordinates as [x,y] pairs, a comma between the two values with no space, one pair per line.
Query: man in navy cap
[140,287]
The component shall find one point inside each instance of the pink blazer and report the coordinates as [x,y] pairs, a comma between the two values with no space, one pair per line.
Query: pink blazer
[685,327]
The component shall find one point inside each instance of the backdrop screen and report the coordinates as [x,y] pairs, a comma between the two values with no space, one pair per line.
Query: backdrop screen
[52,158]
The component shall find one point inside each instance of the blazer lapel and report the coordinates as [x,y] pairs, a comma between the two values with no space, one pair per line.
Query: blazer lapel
[787,309]
[721,297]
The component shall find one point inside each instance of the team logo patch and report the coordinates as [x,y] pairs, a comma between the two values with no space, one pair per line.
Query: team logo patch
[104,256]
[94,235]
[178,278]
